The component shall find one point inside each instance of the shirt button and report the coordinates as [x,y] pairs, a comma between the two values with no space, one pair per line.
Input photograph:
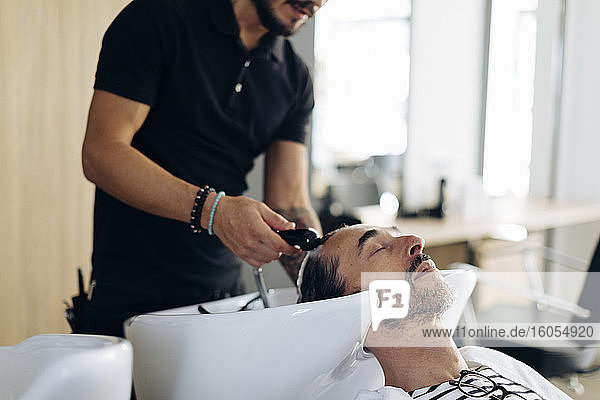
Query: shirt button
[247,64]
[238,87]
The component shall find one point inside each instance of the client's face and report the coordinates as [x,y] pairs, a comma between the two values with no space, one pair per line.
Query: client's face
[363,248]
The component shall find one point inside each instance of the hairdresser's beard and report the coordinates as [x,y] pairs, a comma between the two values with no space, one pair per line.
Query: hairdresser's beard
[268,18]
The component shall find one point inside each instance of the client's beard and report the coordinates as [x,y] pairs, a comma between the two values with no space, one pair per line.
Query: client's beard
[426,303]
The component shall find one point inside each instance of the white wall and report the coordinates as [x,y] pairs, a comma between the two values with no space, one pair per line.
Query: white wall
[579,150]
[547,90]
[444,122]
[579,144]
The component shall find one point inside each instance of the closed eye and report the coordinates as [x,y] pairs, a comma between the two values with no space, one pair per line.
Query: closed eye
[378,250]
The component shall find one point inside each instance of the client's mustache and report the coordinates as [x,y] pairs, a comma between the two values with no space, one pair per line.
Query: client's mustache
[419,258]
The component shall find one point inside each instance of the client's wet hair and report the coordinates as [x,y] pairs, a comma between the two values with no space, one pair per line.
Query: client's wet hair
[319,278]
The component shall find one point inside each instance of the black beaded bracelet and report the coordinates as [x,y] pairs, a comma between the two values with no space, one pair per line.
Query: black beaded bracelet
[196,214]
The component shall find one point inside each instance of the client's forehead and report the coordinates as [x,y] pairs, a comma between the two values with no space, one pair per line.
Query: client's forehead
[343,237]
[346,240]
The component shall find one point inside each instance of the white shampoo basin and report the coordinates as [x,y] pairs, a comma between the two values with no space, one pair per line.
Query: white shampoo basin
[284,352]
[66,367]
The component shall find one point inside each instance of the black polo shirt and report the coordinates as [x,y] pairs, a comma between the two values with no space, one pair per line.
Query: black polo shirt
[214,108]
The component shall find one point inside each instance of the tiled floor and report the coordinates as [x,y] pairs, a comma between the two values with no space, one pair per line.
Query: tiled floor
[590,383]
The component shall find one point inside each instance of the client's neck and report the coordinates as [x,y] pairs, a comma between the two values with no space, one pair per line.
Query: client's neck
[414,361]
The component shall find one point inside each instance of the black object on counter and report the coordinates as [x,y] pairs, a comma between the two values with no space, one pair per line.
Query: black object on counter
[436,212]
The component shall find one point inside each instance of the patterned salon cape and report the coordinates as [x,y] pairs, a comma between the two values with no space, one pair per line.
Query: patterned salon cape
[506,371]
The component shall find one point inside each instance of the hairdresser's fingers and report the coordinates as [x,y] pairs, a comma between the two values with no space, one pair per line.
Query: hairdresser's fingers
[255,263]
[263,253]
[260,255]
[274,220]
[239,223]
[271,244]
[272,239]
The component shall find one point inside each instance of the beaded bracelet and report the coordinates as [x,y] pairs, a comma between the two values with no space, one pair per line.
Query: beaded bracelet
[212,213]
[196,214]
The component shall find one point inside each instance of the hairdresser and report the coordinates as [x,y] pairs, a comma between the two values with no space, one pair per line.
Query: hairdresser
[187,94]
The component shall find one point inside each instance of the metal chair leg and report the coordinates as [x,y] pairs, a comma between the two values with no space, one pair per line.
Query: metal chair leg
[574,384]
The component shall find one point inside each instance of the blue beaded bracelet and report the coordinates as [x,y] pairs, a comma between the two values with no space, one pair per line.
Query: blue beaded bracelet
[212,213]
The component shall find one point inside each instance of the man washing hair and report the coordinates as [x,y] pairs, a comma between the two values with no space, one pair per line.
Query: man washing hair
[414,366]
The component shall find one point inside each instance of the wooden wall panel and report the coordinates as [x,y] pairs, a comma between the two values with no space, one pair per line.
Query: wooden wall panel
[48,55]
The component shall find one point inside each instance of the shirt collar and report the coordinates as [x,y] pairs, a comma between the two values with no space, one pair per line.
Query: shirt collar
[223,19]
[274,45]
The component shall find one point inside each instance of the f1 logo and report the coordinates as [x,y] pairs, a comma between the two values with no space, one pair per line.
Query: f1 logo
[381,298]
[389,299]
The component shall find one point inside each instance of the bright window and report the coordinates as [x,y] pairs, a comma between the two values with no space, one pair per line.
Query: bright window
[509,109]
[361,81]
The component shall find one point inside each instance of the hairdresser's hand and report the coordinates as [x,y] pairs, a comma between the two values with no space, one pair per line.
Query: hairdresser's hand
[246,226]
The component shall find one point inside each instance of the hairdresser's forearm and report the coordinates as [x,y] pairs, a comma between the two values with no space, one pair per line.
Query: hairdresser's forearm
[119,169]
[128,175]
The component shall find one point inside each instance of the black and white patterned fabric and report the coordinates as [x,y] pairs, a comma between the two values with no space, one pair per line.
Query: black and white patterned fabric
[446,391]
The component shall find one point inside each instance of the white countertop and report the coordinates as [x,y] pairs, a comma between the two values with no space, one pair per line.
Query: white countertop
[533,215]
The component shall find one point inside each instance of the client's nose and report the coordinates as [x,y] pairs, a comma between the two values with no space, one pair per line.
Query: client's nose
[414,244]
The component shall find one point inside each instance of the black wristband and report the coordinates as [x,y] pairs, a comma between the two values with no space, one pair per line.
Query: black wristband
[196,213]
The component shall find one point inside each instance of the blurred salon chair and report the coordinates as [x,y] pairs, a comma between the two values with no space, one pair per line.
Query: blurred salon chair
[563,358]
